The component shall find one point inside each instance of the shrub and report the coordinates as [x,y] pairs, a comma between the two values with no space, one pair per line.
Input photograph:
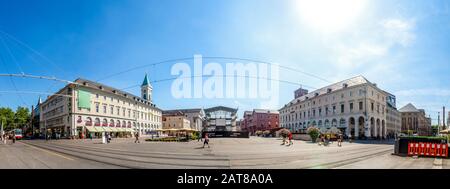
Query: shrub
[266,133]
[314,133]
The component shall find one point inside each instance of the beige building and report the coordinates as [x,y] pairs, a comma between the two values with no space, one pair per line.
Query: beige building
[175,120]
[355,106]
[195,116]
[414,120]
[85,106]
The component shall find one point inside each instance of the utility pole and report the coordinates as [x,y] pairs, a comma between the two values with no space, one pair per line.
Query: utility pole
[443,118]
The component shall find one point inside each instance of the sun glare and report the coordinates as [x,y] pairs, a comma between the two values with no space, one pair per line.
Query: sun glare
[330,15]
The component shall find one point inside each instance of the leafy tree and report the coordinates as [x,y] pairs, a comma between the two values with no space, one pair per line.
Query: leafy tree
[6,117]
[12,120]
[21,117]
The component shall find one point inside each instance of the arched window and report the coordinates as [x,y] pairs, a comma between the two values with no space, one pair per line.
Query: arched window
[97,122]
[118,123]
[129,124]
[79,120]
[88,121]
[111,123]
[105,123]
[124,124]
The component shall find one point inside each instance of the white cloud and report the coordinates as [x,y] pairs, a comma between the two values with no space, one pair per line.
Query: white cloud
[398,31]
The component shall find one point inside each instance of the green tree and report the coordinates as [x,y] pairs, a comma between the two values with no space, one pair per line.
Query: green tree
[6,117]
[21,117]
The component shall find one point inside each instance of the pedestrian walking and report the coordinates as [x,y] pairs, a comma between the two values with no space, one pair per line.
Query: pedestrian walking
[341,138]
[206,140]
[137,138]
[14,137]
[109,138]
[290,139]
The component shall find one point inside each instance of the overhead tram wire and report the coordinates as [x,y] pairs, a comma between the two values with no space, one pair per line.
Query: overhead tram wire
[10,78]
[38,77]
[33,92]
[213,57]
[32,50]
[245,76]
[26,46]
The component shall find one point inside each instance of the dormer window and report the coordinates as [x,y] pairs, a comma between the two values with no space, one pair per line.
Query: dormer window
[316,94]
[85,83]
[345,85]
[329,90]
[100,87]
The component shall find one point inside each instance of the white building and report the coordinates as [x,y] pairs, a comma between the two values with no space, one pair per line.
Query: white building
[355,106]
[86,106]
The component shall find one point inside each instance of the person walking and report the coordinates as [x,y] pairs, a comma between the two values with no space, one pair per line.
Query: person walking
[13,136]
[341,138]
[206,140]
[290,139]
[137,138]
[108,138]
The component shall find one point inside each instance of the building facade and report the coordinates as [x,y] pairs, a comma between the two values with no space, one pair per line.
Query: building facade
[393,117]
[175,120]
[415,121]
[220,118]
[195,116]
[85,106]
[355,106]
[260,120]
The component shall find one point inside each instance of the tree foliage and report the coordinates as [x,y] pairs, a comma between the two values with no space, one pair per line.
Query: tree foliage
[12,120]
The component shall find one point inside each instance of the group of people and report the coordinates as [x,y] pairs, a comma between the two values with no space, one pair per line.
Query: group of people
[325,140]
[8,136]
[289,141]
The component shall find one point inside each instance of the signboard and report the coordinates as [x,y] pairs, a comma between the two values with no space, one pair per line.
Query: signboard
[84,99]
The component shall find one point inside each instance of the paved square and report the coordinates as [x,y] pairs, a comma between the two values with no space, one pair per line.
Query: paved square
[225,153]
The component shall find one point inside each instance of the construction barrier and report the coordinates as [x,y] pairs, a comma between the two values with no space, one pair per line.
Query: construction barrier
[427,149]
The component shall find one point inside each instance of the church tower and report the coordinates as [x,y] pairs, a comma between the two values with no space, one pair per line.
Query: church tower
[146,90]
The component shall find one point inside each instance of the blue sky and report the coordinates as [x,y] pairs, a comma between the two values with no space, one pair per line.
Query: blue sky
[402,45]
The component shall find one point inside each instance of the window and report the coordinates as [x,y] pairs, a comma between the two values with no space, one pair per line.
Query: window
[360,105]
[96,107]
[334,109]
[118,110]
[104,109]
[326,111]
[342,108]
[371,106]
[112,109]
[351,106]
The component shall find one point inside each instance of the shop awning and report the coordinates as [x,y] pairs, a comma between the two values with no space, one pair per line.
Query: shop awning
[113,129]
[100,129]
[107,129]
[91,129]
[129,130]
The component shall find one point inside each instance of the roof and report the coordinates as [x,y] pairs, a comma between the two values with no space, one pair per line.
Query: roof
[358,80]
[221,108]
[265,111]
[409,108]
[194,110]
[145,82]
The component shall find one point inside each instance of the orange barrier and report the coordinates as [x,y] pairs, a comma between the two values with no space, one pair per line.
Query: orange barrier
[427,149]
[444,150]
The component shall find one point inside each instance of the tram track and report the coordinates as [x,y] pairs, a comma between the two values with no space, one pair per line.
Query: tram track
[128,161]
